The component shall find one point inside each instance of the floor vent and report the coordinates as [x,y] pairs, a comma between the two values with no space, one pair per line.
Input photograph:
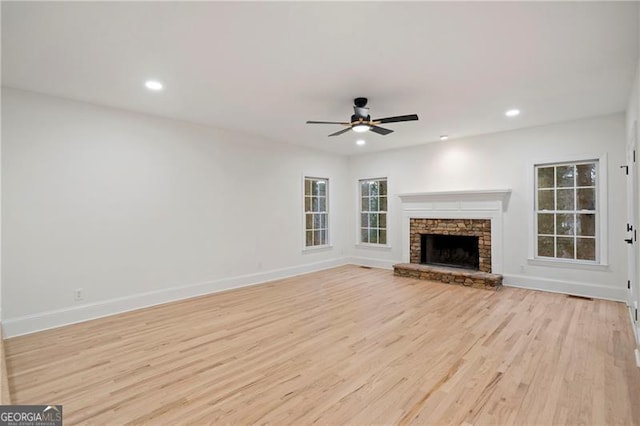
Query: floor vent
[365,267]
[574,296]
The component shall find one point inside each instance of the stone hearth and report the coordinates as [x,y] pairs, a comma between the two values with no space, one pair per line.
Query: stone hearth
[465,277]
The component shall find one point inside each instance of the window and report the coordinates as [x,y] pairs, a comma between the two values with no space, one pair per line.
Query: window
[567,212]
[373,211]
[316,211]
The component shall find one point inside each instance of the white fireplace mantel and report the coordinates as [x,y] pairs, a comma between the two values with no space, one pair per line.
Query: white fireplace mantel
[473,204]
[501,195]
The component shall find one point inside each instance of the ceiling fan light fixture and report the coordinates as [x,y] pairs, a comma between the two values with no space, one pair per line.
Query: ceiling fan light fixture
[360,128]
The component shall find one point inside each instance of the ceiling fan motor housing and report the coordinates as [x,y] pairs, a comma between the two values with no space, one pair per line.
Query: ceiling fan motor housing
[360,102]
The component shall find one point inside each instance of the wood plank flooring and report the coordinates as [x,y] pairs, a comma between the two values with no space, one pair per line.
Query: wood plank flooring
[347,345]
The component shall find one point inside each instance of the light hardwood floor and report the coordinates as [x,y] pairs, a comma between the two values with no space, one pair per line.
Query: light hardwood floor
[347,345]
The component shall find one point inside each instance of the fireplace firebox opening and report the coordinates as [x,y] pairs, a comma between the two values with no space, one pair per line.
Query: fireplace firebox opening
[450,250]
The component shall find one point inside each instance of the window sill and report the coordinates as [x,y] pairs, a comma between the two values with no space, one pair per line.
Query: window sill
[568,264]
[373,246]
[317,248]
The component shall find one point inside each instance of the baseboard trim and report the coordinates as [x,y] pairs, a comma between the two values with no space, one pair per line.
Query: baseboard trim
[374,263]
[28,324]
[5,395]
[53,319]
[522,281]
[566,287]
[634,328]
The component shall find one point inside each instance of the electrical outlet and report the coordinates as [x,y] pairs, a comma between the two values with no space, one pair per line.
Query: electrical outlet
[78,294]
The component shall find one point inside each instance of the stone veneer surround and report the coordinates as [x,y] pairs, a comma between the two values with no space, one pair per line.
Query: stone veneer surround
[480,228]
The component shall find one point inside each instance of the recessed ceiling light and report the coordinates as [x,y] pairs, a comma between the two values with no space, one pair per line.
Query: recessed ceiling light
[512,112]
[360,142]
[444,137]
[154,85]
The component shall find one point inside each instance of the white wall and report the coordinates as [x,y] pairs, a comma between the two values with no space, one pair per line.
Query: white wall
[633,115]
[632,106]
[0,181]
[137,210]
[503,161]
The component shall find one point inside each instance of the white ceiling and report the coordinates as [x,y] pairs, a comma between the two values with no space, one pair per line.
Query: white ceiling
[266,68]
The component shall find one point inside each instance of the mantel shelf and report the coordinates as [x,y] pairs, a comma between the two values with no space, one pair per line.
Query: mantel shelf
[474,195]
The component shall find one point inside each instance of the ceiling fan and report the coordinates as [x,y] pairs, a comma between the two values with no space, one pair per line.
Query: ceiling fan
[361,121]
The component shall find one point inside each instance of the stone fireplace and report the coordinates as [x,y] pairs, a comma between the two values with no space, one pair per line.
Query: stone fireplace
[454,237]
[478,228]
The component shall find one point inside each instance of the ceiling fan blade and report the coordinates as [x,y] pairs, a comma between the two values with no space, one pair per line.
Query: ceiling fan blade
[410,117]
[380,130]
[329,122]
[340,132]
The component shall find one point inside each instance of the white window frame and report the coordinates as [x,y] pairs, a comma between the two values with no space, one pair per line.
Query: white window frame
[327,211]
[602,246]
[359,242]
